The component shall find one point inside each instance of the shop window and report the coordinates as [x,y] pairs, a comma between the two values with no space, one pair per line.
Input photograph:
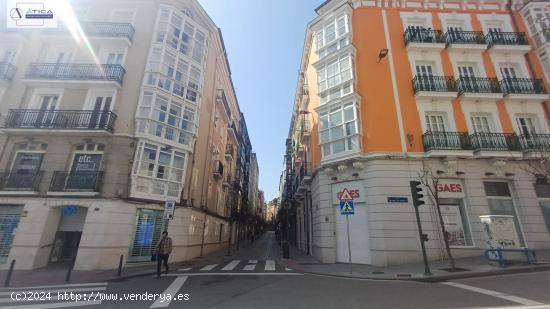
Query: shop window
[543,193]
[456,222]
[501,203]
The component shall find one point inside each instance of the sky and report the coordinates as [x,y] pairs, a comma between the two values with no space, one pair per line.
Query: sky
[264,42]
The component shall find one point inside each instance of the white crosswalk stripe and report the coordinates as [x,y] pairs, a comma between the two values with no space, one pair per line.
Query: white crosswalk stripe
[231,265]
[209,267]
[52,296]
[249,267]
[270,265]
[253,262]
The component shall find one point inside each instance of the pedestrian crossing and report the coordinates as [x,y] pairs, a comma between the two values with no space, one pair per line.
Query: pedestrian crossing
[239,266]
[53,296]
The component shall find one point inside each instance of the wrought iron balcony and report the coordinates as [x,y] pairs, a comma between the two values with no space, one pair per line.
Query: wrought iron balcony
[76,71]
[60,120]
[76,181]
[414,35]
[229,151]
[434,83]
[20,181]
[446,141]
[7,70]
[109,29]
[218,169]
[522,86]
[535,142]
[495,141]
[478,85]
[465,37]
[506,38]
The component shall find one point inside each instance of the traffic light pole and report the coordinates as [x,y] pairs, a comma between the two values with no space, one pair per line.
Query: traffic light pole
[427,271]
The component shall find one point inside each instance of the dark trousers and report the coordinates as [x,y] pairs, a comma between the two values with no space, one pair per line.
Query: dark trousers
[162,259]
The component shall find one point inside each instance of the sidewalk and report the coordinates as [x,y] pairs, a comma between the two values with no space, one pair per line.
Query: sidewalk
[472,267]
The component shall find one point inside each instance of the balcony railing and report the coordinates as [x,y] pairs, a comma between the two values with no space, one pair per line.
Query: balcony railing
[76,71]
[221,96]
[535,142]
[109,29]
[478,85]
[76,181]
[7,70]
[414,35]
[218,169]
[229,150]
[434,83]
[60,120]
[506,38]
[446,141]
[305,170]
[522,86]
[495,141]
[20,181]
[465,37]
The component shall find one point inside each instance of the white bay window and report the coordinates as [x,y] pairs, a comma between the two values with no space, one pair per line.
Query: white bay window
[336,73]
[332,36]
[339,130]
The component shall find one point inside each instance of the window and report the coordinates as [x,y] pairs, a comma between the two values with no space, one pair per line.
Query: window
[435,122]
[456,222]
[335,73]
[159,163]
[543,193]
[339,130]
[333,36]
[480,123]
[501,203]
[526,125]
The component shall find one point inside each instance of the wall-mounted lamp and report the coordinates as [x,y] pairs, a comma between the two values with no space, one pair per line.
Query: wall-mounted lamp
[383,53]
[410,139]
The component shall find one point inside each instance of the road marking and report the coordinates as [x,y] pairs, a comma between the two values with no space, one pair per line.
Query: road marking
[234,274]
[514,299]
[55,286]
[209,267]
[231,265]
[269,265]
[249,267]
[102,288]
[288,269]
[172,290]
[253,262]
[55,305]
[185,269]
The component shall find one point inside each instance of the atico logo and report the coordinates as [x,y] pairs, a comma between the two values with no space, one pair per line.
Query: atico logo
[36,14]
[16,14]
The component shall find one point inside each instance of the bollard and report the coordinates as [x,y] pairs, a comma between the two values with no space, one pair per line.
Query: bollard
[10,271]
[120,265]
[70,270]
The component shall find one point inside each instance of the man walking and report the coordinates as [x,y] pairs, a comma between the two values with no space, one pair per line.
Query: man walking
[163,250]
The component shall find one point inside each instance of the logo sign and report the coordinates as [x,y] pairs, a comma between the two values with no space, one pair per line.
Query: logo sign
[36,14]
[450,188]
[397,199]
[348,190]
[169,208]
[68,210]
[346,208]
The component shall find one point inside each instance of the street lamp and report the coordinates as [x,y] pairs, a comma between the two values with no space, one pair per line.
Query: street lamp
[383,53]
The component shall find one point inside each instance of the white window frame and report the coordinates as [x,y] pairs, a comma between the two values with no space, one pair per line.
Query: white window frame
[444,117]
[106,50]
[534,121]
[40,92]
[93,93]
[136,169]
[345,137]
[490,122]
[321,30]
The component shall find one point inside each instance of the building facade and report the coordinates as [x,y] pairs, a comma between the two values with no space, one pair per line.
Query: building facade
[124,107]
[390,89]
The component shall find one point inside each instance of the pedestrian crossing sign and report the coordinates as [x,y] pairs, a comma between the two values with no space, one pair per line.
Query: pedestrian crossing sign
[346,208]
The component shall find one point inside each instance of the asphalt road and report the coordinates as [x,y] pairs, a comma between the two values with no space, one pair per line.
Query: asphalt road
[252,281]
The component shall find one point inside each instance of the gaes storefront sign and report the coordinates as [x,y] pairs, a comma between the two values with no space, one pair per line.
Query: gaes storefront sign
[354,191]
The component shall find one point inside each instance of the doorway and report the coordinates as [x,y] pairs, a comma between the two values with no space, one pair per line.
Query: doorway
[69,232]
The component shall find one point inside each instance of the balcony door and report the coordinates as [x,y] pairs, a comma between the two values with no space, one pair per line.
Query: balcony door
[99,118]
[84,174]
[481,124]
[46,116]
[424,71]
[511,81]
[420,33]
[456,33]
[24,171]
[468,78]
[436,130]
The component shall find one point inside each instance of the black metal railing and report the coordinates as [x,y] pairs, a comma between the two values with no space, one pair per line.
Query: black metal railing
[465,37]
[446,141]
[522,86]
[415,35]
[495,141]
[305,170]
[506,38]
[7,70]
[76,181]
[434,83]
[535,142]
[478,85]
[60,119]
[20,181]
[218,169]
[109,29]
[76,71]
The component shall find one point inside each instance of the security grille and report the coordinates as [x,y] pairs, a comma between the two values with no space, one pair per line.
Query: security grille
[9,219]
[149,226]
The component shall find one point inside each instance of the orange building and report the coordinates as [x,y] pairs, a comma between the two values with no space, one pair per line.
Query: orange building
[389,88]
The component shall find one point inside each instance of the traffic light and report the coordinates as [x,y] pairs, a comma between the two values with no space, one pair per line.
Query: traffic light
[416,191]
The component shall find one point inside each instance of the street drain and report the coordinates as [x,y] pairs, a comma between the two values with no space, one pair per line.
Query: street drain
[404,275]
[456,270]
[377,272]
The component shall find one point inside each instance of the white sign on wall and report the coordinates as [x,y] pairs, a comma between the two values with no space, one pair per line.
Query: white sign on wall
[500,232]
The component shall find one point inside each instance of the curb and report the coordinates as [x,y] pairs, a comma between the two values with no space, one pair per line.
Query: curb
[438,278]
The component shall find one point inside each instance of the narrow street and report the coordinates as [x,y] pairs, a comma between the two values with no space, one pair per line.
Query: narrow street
[253,277]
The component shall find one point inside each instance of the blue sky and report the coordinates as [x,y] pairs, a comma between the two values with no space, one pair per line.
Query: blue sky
[264,41]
